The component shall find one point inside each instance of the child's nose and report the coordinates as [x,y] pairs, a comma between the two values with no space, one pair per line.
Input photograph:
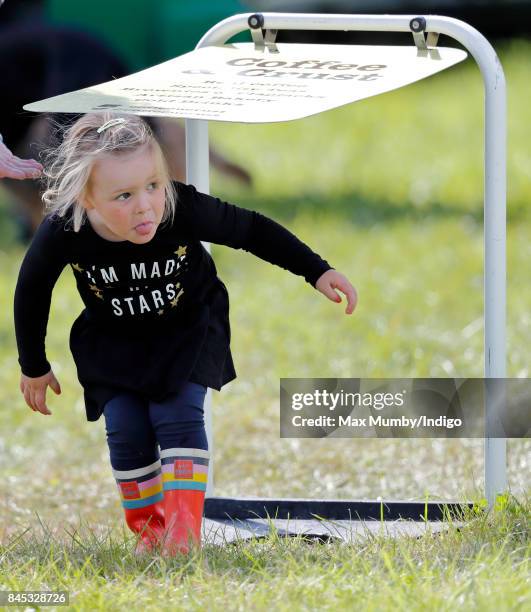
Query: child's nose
[143,203]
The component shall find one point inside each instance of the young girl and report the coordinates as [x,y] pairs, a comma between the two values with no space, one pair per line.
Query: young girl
[154,333]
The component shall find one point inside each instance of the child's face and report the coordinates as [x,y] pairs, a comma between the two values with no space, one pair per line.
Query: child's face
[125,195]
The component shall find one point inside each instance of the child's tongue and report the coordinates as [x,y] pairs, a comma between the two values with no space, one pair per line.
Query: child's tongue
[144,229]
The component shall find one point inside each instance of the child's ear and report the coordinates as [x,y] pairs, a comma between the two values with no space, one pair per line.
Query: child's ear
[85,200]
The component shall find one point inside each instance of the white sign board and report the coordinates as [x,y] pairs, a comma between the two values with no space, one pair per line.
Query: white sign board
[238,83]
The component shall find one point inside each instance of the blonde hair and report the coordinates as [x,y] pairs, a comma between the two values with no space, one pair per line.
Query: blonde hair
[68,166]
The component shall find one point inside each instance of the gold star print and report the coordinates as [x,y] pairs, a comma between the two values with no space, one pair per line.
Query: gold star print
[176,299]
[98,295]
[180,251]
[94,288]
[77,267]
[177,285]
[160,312]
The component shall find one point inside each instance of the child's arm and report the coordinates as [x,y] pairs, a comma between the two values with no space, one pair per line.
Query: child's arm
[38,274]
[212,220]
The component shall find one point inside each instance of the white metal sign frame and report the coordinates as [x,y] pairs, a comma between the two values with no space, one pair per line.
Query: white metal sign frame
[197,163]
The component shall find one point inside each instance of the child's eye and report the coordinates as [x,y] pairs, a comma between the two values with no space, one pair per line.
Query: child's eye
[123,199]
[153,186]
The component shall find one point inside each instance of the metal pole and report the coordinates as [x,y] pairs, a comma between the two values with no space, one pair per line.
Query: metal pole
[494,178]
[494,232]
[197,173]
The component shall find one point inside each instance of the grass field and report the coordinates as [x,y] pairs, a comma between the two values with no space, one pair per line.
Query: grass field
[389,191]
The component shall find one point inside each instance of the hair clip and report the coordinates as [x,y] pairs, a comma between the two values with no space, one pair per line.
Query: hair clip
[110,123]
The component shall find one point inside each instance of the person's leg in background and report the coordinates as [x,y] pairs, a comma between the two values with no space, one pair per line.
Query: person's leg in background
[178,422]
[136,466]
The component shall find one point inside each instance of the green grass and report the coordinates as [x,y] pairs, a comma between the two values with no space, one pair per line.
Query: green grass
[389,191]
[483,565]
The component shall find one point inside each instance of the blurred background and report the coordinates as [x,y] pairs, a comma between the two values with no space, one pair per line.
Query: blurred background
[163,29]
[389,190]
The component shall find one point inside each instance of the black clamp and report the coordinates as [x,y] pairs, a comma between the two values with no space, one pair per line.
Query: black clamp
[262,38]
[418,29]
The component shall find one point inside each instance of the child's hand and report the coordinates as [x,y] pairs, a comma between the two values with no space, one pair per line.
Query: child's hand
[34,390]
[331,280]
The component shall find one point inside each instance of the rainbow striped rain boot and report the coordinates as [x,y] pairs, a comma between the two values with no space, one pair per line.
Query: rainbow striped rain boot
[184,477]
[142,500]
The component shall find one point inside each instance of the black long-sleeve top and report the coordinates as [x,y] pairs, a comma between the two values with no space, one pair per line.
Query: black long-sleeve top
[156,314]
